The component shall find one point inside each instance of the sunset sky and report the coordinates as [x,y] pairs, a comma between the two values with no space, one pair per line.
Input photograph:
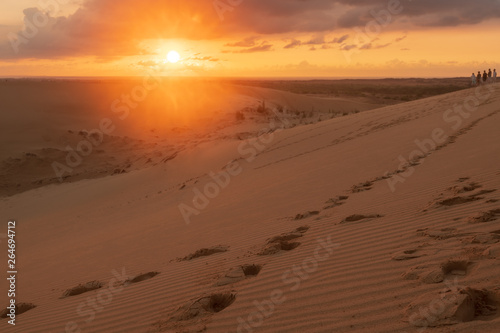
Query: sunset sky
[249,38]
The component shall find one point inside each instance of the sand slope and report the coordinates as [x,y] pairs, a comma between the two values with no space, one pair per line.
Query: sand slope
[322,220]
[45,121]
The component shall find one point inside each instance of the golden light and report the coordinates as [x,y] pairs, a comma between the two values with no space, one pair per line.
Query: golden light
[173,56]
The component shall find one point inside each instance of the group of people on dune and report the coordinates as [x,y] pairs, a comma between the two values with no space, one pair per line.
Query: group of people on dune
[490,77]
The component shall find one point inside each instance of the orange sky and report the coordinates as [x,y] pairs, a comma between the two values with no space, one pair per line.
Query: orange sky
[280,38]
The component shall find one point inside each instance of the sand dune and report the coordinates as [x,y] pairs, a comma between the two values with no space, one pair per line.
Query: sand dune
[385,220]
[118,134]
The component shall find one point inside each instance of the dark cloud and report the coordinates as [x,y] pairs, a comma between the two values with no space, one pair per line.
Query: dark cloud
[400,39]
[420,12]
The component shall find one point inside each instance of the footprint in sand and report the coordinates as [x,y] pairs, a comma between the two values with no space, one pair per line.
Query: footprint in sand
[282,242]
[19,308]
[366,186]
[306,215]
[447,270]
[439,233]
[458,267]
[452,197]
[481,217]
[82,288]
[407,255]
[359,217]
[457,305]
[337,201]
[205,252]
[141,277]
[192,316]
[239,273]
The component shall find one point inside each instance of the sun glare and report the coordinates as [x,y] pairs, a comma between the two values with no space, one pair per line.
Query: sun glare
[173,56]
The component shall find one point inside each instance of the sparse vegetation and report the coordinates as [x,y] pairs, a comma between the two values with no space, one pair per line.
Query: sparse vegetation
[389,90]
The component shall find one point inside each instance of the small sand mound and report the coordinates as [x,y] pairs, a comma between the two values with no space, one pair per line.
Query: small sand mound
[143,277]
[20,308]
[205,252]
[82,288]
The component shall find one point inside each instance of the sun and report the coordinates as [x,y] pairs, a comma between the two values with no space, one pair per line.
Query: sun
[173,56]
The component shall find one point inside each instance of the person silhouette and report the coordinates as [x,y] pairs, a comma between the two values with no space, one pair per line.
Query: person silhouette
[473,80]
[489,75]
[485,76]
[494,75]
[479,81]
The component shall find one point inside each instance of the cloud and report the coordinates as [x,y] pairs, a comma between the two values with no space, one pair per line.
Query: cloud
[293,44]
[340,40]
[370,46]
[206,58]
[317,40]
[400,39]
[247,42]
[260,48]
[421,12]
[111,29]
[348,47]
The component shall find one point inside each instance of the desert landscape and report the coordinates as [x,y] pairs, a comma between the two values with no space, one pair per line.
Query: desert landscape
[232,166]
[379,218]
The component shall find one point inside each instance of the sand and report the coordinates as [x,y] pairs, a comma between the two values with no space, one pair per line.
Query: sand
[384,220]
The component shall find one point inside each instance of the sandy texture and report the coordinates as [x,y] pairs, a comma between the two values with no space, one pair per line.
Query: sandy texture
[336,226]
